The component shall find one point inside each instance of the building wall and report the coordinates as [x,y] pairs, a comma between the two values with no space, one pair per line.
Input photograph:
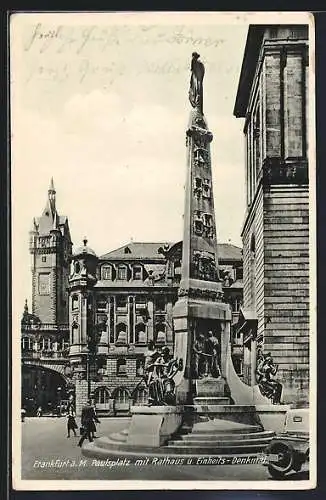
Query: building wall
[286,270]
[275,233]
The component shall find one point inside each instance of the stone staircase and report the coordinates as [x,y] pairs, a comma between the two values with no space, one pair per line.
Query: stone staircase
[219,436]
[213,437]
[212,426]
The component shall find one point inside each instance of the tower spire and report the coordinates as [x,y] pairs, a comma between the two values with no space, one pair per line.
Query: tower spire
[200,260]
[51,196]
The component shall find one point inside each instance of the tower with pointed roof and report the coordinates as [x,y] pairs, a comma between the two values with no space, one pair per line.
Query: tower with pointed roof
[50,248]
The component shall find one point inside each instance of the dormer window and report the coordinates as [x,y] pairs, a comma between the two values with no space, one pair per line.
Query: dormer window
[122,272]
[137,273]
[106,272]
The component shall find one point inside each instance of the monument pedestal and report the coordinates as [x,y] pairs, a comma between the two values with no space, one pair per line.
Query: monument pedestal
[210,387]
[152,426]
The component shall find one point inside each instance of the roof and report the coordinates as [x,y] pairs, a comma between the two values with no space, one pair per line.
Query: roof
[84,250]
[137,250]
[227,251]
[248,68]
[149,250]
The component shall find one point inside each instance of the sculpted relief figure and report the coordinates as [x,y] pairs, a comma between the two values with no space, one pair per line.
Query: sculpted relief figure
[266,371]
[204,266]
[196,82]
[206,356]
[160,370]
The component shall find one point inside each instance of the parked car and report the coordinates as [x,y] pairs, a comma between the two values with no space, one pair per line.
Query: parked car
[289,450]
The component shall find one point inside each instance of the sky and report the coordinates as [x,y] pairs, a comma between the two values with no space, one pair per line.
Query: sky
[101,104]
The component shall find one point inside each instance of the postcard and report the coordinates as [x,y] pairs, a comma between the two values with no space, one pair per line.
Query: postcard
[163,250]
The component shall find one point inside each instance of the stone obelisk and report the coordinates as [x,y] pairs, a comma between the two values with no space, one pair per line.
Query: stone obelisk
[200,308]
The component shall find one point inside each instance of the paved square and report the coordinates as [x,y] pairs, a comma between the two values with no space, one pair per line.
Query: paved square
[44,440]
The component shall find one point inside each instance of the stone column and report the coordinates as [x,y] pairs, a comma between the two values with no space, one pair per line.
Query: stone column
[225,339]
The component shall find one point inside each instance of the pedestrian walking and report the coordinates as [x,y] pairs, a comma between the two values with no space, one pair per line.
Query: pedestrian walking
[88,419]
[71,419]
[39,411]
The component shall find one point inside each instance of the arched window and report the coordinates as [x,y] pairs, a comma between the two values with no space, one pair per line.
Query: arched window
[160,333]
[140,330]
[121,333]
[102,395]
[106,272]
[121,400]
[77,267]
[140,397]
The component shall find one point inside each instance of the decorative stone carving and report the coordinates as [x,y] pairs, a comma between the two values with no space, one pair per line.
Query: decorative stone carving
[265,373]
[196,82]
[206,359]
[201,157]
[208,230]
[160,369]
[198,223]
[204,266]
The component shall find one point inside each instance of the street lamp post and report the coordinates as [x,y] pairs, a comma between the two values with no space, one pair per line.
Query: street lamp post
[92,342]
[59,401]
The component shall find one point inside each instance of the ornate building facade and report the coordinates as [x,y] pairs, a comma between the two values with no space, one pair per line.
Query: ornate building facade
[121,301]
[273,98]
[93,317]
[45,331]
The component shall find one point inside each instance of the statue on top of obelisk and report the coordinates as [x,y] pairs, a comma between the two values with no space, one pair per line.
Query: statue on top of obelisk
[196,82]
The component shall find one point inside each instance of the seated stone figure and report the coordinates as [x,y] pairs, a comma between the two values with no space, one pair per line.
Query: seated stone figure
[161,385]
[266,371]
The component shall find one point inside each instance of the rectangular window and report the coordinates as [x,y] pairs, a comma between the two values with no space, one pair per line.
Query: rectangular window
[121,368]
[106,273]
[121,302]
[122,273]
[160,304]
[44,259]
[44,284]
[101,304]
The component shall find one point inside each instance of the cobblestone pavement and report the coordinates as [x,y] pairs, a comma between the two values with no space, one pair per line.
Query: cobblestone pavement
[44,440]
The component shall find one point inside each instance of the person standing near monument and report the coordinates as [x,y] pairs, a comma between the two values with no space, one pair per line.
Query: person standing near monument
[88,419]
[71,419]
